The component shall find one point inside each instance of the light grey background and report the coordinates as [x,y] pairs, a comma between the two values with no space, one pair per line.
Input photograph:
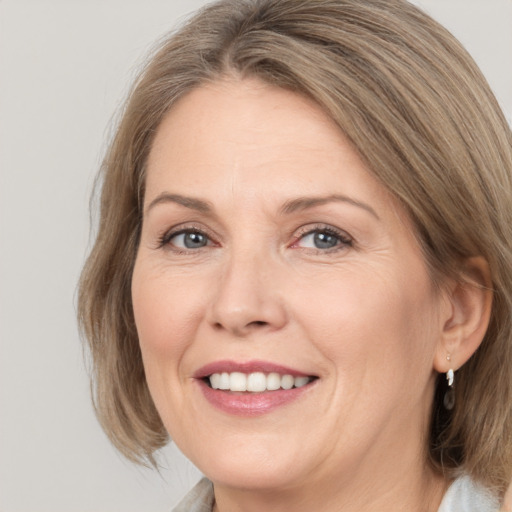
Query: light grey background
[64,68]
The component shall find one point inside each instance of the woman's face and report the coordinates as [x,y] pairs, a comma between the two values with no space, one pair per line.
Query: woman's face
[270,257]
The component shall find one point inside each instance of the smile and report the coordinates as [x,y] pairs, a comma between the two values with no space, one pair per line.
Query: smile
[255,382]
[252,388]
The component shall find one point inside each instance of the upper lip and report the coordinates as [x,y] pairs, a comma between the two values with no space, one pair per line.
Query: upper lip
[230,366]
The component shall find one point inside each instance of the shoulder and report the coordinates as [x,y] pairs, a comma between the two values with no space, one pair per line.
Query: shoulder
[199,499]
[465,495]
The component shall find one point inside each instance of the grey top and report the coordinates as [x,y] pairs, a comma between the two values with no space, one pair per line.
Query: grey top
[463,495]
[199,499]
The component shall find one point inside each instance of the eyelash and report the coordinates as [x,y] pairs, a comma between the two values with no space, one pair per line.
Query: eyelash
[343,239]
[164,240]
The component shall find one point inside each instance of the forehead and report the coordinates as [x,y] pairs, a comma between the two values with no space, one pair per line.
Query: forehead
[246,134]
[246,116]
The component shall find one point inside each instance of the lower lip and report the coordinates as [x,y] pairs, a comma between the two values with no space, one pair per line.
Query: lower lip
[251,404]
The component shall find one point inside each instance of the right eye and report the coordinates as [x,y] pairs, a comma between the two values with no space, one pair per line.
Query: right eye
[188,239]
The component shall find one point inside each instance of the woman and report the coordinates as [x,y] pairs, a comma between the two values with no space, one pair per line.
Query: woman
[303,268]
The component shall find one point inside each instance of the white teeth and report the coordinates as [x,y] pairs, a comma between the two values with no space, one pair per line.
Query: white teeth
[255,382]
[224,381]
[273,381]
[301,381]
[287,381]
[237,381]
[215,380]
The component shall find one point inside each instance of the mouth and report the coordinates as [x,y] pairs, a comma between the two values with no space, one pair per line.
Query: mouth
[252,388]
[256,382]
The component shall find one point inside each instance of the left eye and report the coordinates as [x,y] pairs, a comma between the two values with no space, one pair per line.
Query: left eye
[322,239]
[189,240]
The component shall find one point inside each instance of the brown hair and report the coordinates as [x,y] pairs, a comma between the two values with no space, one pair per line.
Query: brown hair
[421,115]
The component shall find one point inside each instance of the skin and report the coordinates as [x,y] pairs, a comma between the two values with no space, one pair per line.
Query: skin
[507,500]
[363,316]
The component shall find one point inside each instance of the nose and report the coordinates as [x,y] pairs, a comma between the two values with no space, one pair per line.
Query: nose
[248,298]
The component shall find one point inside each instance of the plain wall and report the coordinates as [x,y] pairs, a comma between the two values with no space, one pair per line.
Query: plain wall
[64,67]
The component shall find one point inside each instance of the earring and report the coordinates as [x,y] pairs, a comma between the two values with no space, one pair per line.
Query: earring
[449,396]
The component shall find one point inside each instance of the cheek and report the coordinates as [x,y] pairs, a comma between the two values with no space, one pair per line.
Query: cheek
[166,312]
[372,322]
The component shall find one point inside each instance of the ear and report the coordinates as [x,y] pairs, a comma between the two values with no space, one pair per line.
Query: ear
[466,316]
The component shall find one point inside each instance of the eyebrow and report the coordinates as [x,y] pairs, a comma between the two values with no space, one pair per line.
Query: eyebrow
[188,202]
[303,203]
[291,206]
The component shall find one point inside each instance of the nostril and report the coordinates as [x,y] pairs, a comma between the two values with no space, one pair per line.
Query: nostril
[241,330]
[258,322]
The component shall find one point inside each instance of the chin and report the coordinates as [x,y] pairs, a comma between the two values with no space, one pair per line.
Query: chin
[256,466]
[251,476]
